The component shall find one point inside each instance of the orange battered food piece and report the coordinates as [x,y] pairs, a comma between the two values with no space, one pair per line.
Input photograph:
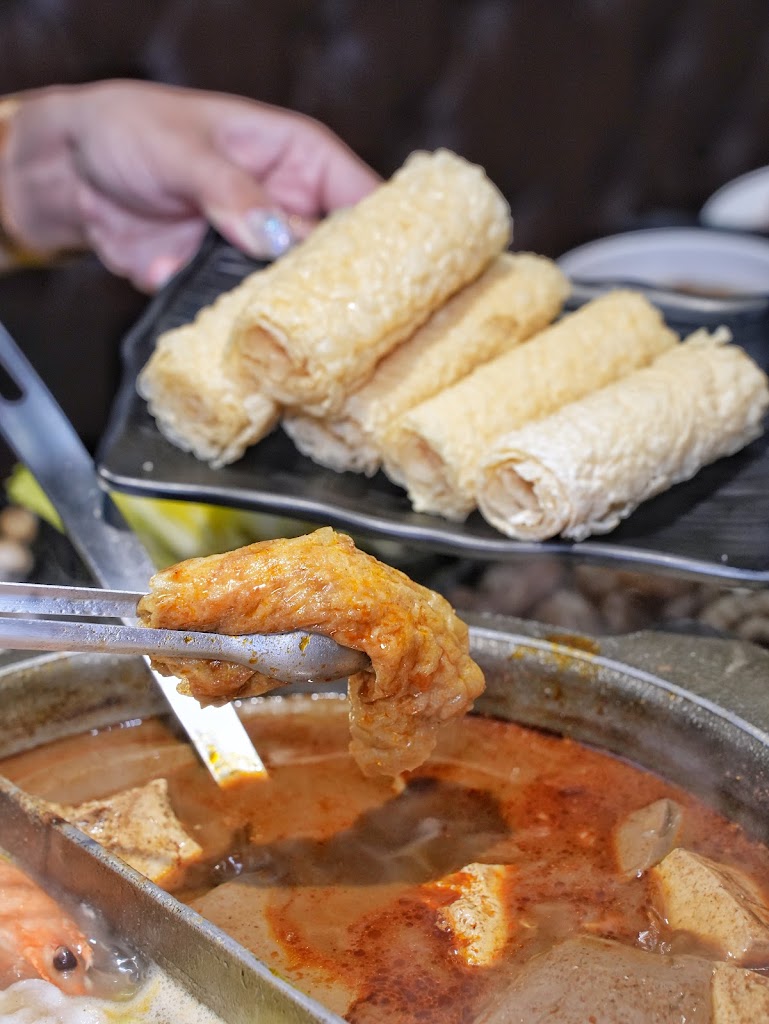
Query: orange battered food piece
[422,674]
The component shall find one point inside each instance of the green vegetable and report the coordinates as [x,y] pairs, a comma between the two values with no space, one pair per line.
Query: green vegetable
[170,530]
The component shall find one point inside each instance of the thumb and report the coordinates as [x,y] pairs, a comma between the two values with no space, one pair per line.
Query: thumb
[240,210]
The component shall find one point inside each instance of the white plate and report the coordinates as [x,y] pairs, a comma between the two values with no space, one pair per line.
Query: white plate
[741,204]
[716,262]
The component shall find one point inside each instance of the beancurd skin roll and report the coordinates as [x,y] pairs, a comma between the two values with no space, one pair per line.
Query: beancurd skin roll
[334,443]
[366,279]
[517,295]
[196,403]
[585,468]
[435,449]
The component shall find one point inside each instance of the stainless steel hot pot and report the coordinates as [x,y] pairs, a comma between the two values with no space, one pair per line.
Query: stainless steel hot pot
[694,710]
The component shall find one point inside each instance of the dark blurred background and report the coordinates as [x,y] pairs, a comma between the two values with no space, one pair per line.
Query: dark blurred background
[592,116]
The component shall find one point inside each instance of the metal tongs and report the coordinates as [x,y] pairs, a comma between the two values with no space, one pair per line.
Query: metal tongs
[43,438]
[286,657]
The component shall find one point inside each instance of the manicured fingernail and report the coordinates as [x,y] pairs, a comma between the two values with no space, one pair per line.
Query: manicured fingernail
[269,233]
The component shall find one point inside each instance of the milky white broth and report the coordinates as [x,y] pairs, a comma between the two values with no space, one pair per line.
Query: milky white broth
[159,1001]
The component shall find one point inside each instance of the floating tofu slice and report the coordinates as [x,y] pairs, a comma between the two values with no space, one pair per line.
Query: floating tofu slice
[140,827]
[644,837]
[719,905]
[477,918]
[739,996]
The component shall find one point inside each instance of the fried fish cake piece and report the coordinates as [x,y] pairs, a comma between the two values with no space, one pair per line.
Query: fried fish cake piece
[421,677]
[139,826]
[719,904]
[476,917]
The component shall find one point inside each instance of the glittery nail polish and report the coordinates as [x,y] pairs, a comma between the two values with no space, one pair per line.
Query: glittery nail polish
[269,233]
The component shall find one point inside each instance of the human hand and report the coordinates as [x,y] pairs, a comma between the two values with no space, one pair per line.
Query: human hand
[135,170]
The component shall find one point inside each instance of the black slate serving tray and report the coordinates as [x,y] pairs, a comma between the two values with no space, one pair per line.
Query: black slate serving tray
[715,525]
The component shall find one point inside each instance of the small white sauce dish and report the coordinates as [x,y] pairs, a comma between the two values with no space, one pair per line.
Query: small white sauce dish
[741,204]
[686,268]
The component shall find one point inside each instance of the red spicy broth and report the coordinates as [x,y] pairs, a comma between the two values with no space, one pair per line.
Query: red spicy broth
[321,872]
